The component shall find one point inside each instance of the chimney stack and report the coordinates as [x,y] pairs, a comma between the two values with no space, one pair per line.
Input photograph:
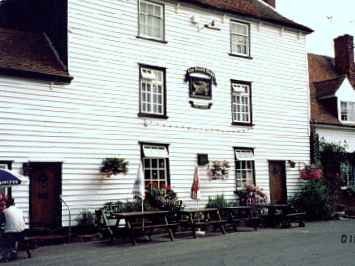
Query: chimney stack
[271,2]
[344,54]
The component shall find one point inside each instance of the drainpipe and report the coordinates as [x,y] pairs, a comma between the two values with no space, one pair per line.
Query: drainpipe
[69,230]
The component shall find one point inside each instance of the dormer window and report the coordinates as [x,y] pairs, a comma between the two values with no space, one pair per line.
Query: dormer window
[347,112]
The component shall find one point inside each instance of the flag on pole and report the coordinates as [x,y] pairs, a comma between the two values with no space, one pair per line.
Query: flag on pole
[138,188]
[195,189]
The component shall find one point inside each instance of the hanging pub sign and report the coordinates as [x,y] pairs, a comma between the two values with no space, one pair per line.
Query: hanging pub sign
[200,82]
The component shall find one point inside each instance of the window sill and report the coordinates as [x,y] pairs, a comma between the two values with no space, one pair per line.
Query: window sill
[152,116]
[241,56]
[243,124]
[345,187]
[151,39]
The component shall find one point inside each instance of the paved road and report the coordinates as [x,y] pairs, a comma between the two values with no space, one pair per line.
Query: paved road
[316,244]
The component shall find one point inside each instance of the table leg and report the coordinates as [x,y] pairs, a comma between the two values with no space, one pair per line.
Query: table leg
[170,232]
[131,232]
[192,225]
[231,219]
[221,226]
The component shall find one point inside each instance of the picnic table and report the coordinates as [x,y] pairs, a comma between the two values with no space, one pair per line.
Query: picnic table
[240,214]
[201,218]
[280,214]
[144,223]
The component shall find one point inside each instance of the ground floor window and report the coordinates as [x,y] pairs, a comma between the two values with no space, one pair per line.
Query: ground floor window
[347,170]
[156,165]
[244,167]
[5,165]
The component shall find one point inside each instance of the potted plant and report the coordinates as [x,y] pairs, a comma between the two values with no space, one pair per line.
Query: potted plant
[114,166]
[163,198]
[311,172]
[219,169]
[251,195]
[85,223]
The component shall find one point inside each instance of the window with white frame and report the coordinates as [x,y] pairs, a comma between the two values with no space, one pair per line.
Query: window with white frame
[152,91]
[155,161]
[241,102]
[347,170]
[240,39]
[151,19]
[347,111]
[244,167]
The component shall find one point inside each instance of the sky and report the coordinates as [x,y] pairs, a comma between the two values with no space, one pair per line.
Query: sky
[328,18]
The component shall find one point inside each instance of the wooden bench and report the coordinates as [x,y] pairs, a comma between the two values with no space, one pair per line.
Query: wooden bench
[241,214]
[197,218]
[31,242]
[147,223]
[293,217]
[106,224]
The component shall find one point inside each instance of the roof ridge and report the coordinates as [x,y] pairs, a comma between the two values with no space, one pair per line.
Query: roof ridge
[343,76]
[322,55]
[267,4]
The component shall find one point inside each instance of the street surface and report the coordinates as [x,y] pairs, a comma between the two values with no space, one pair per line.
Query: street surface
[326,243]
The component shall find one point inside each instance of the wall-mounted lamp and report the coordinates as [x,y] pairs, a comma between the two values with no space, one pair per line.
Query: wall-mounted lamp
[212,25]
[291,164]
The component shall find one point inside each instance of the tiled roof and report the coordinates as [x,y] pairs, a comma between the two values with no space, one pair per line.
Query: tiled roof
[324,82]
[31,55]
[252,8]
[328,88]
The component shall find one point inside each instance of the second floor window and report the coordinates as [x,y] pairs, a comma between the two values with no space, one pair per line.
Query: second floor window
[151,20]
[347,111]
[152,91]
[241,102]
[240,38]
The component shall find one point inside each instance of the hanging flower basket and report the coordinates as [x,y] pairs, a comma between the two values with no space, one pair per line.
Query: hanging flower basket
[219,169]
[114,166]
[311,172]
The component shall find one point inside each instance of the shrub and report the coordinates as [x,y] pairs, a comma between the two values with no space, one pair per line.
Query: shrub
[85,218]
[251,195]
[313,199]
[163,199]
[128,206]
[218,202]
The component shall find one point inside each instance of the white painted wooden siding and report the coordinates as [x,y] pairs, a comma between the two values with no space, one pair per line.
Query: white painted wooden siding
[343,136]
[96,116]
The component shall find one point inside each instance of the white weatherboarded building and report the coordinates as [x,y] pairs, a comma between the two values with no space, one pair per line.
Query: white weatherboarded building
[332,90]
[178,80]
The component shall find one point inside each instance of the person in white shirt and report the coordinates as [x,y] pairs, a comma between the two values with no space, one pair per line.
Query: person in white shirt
[14,228]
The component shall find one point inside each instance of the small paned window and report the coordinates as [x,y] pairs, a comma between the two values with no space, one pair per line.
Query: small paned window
[155,164]
[151,20]
[244,167]
[347,112]
[241,103]
[240,38]
[152,91]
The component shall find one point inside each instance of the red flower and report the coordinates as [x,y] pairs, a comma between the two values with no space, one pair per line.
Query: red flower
[311,174]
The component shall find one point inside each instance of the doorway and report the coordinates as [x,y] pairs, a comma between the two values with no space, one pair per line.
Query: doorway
[277,177]
[45,191]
